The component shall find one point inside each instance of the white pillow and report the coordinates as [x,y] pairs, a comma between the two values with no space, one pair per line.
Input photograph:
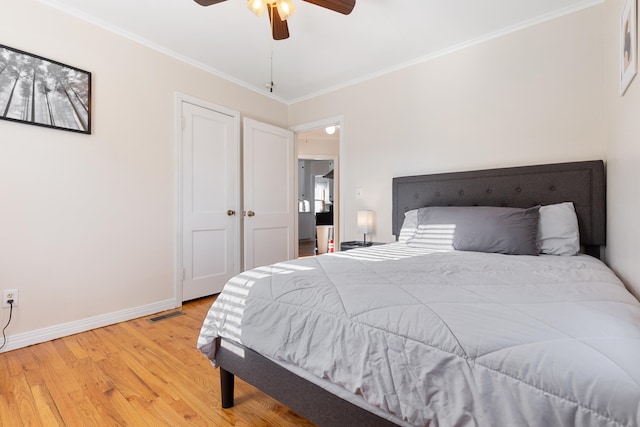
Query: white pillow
[558,232]
[409,226]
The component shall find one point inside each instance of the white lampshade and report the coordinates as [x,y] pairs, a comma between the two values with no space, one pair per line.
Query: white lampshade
[257,6]
[285,9]
[365,222]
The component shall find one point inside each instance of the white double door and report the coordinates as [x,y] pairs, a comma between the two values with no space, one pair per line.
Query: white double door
[216,212]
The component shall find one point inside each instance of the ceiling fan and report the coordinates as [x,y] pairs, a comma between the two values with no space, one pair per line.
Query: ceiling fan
[281,10]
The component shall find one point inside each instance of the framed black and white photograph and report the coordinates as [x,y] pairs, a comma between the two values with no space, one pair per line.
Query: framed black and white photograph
[628,49]
[42,92]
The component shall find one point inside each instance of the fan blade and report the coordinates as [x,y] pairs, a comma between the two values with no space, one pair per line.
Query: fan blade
[279,28]
[208,2]
[341,6]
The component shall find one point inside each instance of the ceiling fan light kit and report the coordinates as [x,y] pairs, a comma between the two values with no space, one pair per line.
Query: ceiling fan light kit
[283,9]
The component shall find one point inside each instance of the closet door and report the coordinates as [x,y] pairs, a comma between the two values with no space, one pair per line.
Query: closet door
[270,197]
[210,156]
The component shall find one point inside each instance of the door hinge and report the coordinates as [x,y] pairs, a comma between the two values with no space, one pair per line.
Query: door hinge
[182,123]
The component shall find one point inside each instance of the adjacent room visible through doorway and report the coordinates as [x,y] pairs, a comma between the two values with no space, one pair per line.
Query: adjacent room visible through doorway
[318,189]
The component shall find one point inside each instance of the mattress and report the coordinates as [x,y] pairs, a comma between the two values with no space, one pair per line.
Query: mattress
[447,339]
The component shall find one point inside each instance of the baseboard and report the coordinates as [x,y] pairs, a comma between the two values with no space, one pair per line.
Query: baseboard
[58,331]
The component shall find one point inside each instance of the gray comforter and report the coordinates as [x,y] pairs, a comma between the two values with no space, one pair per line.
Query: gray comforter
[448,339]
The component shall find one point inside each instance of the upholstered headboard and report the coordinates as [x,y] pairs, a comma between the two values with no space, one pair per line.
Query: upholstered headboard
[582,183]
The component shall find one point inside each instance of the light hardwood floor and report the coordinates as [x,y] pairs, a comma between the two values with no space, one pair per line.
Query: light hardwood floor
[135,373]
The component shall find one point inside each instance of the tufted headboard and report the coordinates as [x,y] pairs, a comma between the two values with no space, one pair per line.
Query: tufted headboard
[582,183]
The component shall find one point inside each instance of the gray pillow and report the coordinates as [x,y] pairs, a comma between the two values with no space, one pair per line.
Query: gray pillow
[511,231]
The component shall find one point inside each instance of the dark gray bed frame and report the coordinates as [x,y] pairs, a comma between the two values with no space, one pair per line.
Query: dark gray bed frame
[582,183]
[521,187]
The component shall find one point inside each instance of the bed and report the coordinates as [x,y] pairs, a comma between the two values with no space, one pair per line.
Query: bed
[413,334]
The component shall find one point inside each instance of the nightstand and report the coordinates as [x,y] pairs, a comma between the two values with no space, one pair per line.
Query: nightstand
[354,244]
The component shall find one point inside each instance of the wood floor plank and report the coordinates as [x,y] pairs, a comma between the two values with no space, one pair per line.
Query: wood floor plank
[60,381]
[178,412]
[9,412]
[48,412]
[135,373]
[133,414]
[24,398]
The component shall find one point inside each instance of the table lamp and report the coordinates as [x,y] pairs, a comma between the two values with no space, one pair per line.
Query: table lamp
[365,224]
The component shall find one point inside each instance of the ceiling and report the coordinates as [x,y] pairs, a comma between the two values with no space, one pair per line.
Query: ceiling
[326,50]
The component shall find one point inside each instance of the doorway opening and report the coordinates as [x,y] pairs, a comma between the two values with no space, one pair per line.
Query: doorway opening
[318,190]
[315,206]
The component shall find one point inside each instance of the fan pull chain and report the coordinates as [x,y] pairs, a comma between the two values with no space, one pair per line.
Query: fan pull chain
[270,85]
[271,76]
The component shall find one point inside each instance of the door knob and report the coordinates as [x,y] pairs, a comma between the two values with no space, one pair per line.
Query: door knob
[231,212]
[251,213]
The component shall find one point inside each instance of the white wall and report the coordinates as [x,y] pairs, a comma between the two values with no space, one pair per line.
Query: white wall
[87,221]
[623,157]
[529,97]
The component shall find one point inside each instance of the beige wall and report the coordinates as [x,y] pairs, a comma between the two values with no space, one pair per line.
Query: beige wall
[310,147]
[88,220]
[623,157]
[532,96]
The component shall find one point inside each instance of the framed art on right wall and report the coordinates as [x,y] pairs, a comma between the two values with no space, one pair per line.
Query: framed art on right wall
[628,49]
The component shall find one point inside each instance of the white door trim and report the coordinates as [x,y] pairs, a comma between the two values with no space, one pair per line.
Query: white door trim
[178,260]
[306,127]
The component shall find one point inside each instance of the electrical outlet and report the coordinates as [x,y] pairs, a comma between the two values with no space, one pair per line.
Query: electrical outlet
[9,294]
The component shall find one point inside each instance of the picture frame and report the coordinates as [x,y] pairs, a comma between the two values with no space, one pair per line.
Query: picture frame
[42,92]
[628,44]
